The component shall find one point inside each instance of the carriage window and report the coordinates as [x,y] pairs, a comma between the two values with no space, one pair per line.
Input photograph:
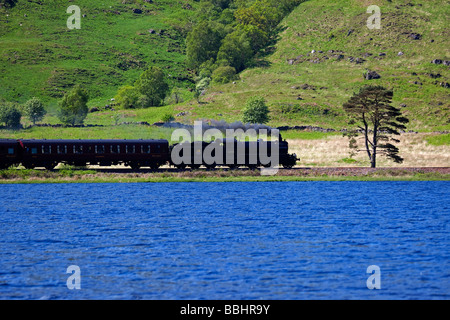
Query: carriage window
[130,149]
[33,150]
[100,149]
[115,149]
[78,149]
[61,149]
[10,150]
[145,149]
[46,149]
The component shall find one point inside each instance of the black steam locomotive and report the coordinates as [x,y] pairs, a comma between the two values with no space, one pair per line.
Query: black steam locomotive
[143,153]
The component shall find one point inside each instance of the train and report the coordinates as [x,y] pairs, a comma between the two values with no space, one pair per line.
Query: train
[141,153]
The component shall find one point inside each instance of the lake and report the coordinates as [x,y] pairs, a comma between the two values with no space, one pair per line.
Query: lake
[249,240]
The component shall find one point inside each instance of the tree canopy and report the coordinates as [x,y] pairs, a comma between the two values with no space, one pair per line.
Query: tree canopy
[34,110]
[73,106]
[256,111]
[10,115]
[371,113]
[202,44]
[152,86]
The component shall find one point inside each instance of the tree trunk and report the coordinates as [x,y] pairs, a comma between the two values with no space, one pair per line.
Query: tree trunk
[373,160]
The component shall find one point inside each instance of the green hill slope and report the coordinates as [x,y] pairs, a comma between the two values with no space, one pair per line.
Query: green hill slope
[317,63]
[40,56]
[305,88]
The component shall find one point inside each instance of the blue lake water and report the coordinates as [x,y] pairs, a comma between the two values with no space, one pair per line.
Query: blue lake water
[250,240]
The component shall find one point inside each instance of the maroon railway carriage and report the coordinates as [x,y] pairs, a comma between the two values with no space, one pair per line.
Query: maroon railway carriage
[133,153]
[10,153]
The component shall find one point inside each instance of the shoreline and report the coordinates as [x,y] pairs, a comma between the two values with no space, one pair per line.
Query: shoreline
[23,176]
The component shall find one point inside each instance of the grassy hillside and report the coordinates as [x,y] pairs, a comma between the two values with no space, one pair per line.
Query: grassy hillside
[344,49]
[40,57]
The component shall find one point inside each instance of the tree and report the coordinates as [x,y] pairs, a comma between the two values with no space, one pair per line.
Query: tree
[257,38]
[8,3]
[152,84]
[127,97]
[235,50]
[73,106]
[256,111]
[10,115]
[176,96]
[202,44]
[224,74]
[34,110]
[371,112]
[262,14]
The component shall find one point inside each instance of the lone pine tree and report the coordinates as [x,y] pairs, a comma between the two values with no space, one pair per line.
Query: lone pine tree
[372,114]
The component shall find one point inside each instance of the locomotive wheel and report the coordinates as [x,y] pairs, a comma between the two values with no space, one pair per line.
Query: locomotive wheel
[195,166]
[210,166]
[154,166]
[50,166]
[29,165]
[252,166]
[135,165]
[287,166]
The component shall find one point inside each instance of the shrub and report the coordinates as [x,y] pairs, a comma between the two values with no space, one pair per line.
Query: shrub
[168,117]
[126,97]
[73,106]
[202,44]
[224,74]
[256,111]
[235,50]
[10,115]
[152,83]
[34,110]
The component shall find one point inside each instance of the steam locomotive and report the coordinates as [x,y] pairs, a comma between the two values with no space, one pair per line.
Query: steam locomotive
[144,153]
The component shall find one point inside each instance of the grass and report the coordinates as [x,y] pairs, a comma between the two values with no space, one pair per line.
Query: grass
[106,132]
[439,140]
[307,135]
[333,151]
[40,56]
[322,82]
[70,175]
[43,58]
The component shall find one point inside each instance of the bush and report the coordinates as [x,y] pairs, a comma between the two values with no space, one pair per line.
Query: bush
[224,74]
[10,115]
[152,83]
[175,96]
[34,110]
[235,50]
[168,118]
[202,84]
[126,97]
[202,44]
[73,107]
[256,111]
